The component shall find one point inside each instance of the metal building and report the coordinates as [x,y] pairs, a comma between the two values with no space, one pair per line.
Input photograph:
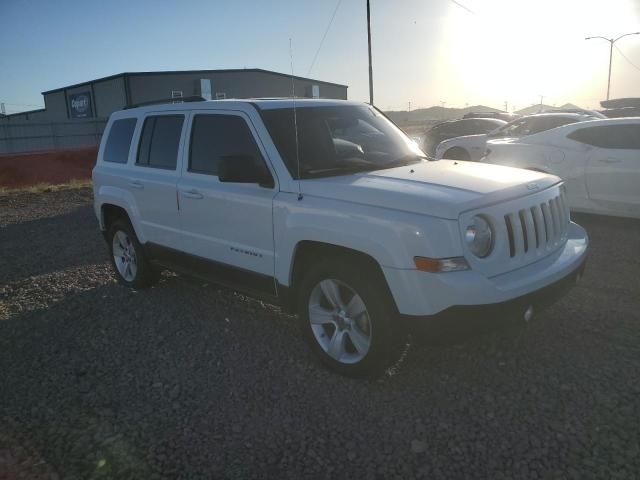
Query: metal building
[99,98]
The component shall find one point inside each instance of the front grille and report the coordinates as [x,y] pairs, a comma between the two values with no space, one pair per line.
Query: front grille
[538,229]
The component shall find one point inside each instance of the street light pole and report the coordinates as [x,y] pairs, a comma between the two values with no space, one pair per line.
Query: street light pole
[611,41]
[370,67]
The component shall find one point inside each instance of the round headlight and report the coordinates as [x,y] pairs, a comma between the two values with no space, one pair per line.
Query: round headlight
[479,237]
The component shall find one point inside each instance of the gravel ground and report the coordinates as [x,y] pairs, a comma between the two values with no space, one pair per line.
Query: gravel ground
[187,380]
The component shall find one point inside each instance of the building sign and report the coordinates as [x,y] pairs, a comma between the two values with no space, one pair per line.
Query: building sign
[80,105]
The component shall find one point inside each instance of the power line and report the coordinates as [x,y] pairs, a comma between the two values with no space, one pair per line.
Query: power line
[335,10]
[625,57]
[463,7]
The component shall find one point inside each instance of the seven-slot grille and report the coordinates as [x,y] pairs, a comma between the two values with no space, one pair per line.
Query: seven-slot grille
[539,228]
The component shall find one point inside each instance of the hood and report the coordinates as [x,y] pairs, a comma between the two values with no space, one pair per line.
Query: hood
[443,188]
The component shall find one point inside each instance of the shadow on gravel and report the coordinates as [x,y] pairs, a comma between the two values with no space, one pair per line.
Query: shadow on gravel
[46,245]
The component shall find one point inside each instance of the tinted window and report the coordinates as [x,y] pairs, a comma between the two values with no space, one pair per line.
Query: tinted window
[159,141]
[485,126]
[119,141]
[610,136]
[217,136]
[547,123]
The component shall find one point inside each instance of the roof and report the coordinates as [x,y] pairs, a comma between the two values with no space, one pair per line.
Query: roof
[177,72]
[261,103]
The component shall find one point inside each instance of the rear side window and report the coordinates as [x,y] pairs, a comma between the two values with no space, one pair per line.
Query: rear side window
[217,136]
[117,148]
[159,141]
[624,137]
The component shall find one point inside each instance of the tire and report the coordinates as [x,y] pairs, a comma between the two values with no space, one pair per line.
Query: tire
[361,344]
[128,260]
[457,153]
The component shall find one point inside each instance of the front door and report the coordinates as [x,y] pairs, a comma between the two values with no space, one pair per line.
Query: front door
[228,223]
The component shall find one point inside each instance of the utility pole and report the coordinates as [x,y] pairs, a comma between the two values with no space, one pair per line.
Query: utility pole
[611,41]
[541,103]
[370,67]
[409,106]
[506,106]
[442,103]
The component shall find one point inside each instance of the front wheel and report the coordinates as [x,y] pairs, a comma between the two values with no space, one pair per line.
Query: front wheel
[347,316]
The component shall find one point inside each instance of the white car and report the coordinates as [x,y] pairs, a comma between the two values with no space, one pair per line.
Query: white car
[599,161]
[326,208]
[473,147]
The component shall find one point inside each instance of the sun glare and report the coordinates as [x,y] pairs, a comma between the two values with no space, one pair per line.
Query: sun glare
[521,50]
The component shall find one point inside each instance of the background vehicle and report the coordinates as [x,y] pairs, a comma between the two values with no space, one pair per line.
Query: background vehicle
[473,147]
[506,116]
[330,211]
[599,160]
[456,128]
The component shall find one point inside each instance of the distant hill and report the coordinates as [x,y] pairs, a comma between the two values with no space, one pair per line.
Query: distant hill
[545,108]
[433,114]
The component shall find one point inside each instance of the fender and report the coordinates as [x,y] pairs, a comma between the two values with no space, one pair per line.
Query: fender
[390,237]
[123,199]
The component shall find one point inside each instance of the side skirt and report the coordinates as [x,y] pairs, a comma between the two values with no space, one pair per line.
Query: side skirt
[255,284]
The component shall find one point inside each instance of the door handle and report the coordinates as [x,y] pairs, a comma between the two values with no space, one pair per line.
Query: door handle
[192,193]
[136,184]
[610,160]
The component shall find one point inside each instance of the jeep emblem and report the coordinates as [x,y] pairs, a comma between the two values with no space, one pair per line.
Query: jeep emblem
[532,186]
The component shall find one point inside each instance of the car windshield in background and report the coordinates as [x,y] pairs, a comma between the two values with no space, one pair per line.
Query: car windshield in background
[338,140]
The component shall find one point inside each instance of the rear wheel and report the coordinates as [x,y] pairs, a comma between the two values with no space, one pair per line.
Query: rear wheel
[457,153]
[127,256]
[347,315]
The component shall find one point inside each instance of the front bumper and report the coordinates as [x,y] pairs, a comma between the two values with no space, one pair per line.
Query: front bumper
[422,294]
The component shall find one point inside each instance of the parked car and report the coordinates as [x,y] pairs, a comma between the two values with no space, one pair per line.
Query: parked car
[599,160]
[456,128]
[506,116]
[326,208]
[473,147]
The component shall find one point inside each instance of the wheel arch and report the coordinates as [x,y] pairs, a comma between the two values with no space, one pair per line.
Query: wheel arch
[306,251]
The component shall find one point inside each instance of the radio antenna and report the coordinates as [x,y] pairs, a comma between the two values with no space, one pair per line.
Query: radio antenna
[295,119]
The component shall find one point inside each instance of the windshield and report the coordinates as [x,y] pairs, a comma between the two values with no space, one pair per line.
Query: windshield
[338,140]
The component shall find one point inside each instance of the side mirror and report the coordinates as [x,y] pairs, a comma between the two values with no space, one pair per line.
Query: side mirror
[244,169]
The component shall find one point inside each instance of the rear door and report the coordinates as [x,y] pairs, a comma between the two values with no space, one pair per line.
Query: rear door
[229,223]
[613,167]
[154,176]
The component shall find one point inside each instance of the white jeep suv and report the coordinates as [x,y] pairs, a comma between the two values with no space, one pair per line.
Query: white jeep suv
[326,208]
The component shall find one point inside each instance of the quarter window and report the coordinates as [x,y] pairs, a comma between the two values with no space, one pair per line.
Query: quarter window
[217,136]
[624,137]
[159,141]
[119,142]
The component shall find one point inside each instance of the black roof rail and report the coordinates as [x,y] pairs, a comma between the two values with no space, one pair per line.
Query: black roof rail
[194,98]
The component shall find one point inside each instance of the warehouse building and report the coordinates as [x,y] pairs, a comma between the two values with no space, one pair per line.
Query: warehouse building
[99,98]
[75,116]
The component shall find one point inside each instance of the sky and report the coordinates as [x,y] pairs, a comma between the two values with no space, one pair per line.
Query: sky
[427,52]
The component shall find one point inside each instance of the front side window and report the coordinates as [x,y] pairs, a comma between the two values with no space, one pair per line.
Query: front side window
[119,141]
[217,136]
[623,137]
[338,140]
[159,141]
